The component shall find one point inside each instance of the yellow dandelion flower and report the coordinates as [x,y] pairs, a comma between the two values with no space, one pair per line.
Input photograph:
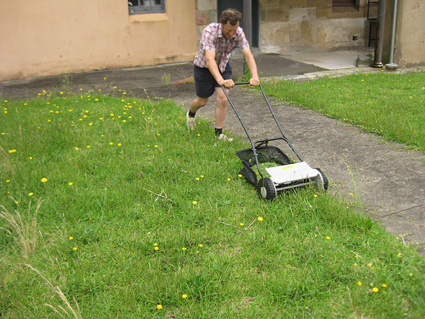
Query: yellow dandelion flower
[155,244]
[411,275]
[228,179]
[12,151]
[43,180]
[70,183]
[399,255]
[260,219]
[200,245]
[328,238]
[239,175]
[184,248]
[197,251]
[315,195]
[159,307]
[184,296]
[71,238]
[156,248]
[241,224]
[74,249]
[197,178]
[194,202]
[88,146]
[384,286]
[375,289]
[359,283]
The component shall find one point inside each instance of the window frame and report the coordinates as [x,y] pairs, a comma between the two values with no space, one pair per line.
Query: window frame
[146,9]
[343,3]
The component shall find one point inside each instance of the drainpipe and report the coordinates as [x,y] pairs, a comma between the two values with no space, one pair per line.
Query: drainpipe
[377,63]
[392,65]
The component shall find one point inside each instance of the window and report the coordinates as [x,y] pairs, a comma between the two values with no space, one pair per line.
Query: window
[343,3]
[146,6]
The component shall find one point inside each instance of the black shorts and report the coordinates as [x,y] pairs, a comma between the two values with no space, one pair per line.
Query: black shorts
[204,81]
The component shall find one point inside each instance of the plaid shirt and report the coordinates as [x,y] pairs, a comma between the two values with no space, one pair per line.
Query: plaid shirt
[212,39]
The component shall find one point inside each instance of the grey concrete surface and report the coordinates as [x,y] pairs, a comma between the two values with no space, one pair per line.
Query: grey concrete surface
[388,180]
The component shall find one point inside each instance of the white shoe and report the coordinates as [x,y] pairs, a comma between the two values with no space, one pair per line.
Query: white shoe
[224,138]
[190,122]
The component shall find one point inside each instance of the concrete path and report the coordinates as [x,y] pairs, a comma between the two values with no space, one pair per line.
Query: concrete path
[387,179]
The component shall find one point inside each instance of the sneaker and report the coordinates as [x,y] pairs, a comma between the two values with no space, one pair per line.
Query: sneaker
[224,138]
[190,122]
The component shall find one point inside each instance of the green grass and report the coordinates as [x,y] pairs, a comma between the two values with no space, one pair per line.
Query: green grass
[138,212]
[388,104]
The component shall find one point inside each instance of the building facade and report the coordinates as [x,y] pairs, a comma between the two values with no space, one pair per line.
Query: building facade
[40,38]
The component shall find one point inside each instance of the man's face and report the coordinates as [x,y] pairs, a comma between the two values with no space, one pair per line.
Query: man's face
[229,30]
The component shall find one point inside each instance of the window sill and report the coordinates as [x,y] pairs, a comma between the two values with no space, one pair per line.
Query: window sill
[148,17]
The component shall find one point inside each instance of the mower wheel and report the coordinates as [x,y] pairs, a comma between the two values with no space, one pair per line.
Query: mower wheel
[266,189]
[322,182]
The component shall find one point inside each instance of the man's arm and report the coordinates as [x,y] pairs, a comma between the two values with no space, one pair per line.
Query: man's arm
[213,67]
[252,66]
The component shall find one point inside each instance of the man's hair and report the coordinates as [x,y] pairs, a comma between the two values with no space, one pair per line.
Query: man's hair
[232,16]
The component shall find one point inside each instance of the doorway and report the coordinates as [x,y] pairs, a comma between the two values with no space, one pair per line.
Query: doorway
[238,5]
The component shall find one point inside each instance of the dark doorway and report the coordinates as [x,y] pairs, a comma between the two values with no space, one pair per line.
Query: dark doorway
[238,5]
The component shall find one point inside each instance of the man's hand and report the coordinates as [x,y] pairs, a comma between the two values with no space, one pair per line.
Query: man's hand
[254,82]
[227,83]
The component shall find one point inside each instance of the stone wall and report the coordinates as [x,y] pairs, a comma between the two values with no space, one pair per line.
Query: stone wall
[290,25]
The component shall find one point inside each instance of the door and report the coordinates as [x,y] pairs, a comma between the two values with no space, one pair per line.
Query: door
[238,5]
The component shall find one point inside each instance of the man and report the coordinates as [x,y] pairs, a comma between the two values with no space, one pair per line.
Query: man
[212,70]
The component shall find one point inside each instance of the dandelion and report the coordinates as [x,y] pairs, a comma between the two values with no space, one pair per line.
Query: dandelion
[184,296]
[197,251]
[70,183]
[12,151]
[88,146]
[111,143]
[351,194]
[184,248]
[156,248]
[202,176]
[328,238]
[43,180]
[359,283]
[74,249]
[200,245]
[228,179]
[197,178]
[194,202]
[159,307]
[155,244]
[30,194]
[375,289]
[260,219]
[384,285]
[315,195]
[399,255]
[71,238]
[241,224]
[411,275]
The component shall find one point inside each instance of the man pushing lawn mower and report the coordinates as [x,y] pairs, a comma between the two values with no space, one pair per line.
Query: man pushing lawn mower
[212,70]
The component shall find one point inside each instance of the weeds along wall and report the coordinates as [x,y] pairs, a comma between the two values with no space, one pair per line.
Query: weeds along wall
[40,38]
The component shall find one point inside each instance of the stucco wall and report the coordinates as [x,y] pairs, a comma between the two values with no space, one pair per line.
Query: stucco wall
[39,38]
[410,33]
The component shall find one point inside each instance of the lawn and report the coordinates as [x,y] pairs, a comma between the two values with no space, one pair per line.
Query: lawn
[111,208]
[391,105]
